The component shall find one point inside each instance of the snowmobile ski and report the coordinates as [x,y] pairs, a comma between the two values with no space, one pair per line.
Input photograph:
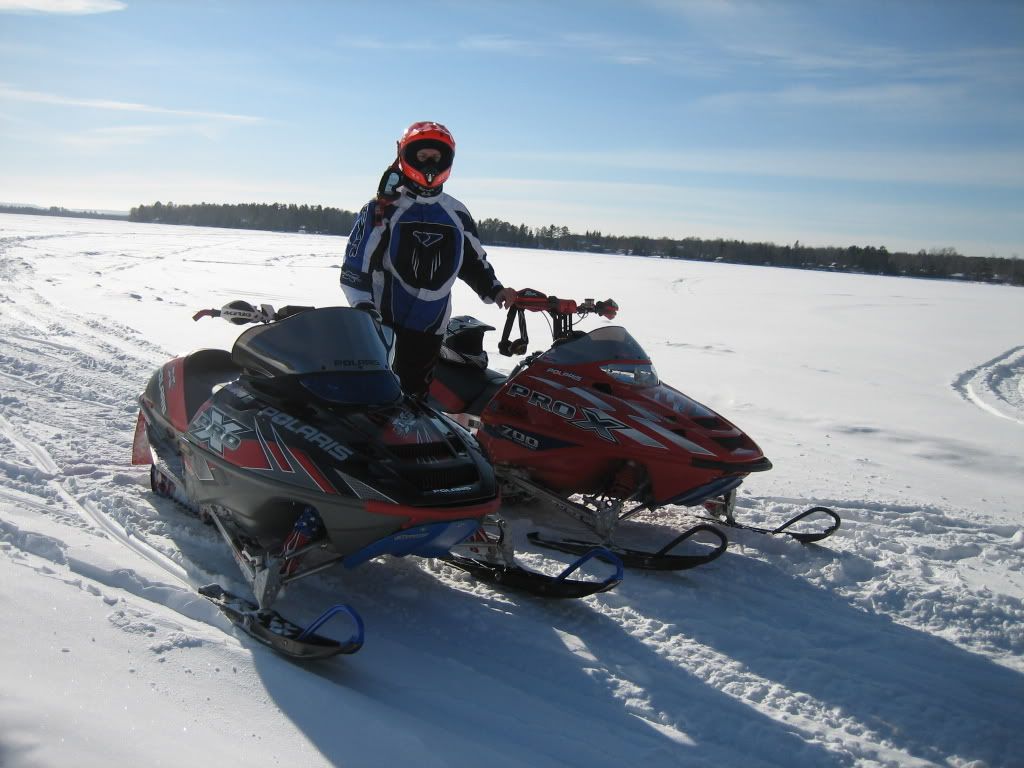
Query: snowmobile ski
[804,537]
[539,584]
[602,523]
[722,511]
[662,560]
[272,629]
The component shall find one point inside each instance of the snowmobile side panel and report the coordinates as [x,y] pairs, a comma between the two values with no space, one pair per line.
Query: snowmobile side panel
[266,510]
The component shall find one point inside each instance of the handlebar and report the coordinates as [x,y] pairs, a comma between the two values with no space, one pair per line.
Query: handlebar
[242,312]
[527,300]
[531,300]
[561,311]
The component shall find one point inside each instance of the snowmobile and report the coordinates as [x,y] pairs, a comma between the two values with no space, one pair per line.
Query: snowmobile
[302,450]
[588,428]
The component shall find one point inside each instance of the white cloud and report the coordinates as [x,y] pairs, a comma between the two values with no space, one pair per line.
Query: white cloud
[70,7]
[382,44]
[16,94]
[498,44]
[957,167]
[633,60]
[906,96]
[480,43]
[122,135]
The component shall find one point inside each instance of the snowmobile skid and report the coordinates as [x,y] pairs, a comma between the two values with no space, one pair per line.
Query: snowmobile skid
[301,449]
[588,428]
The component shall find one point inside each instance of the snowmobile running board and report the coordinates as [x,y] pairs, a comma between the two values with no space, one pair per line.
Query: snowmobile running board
[272,629]
[662,560]
[539,584]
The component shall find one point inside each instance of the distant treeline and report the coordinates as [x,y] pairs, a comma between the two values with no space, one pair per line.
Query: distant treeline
[53,210]
[275,217]
[938,263]
[935,263]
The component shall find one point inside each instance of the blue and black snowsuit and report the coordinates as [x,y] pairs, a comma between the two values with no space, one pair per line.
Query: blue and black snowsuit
[403,257]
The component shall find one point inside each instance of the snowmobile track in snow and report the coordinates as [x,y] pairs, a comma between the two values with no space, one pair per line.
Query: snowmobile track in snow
[996,386]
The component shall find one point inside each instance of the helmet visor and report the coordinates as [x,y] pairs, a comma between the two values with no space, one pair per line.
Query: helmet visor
[428,157]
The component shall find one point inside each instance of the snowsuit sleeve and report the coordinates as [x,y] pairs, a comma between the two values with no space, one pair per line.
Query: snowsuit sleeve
[355,271]
[476,271]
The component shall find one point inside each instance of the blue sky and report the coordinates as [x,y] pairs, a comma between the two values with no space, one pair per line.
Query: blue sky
[832,123]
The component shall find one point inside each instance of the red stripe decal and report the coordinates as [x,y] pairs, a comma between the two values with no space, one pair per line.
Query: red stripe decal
[311,470]
[275,450]
[279,457]
[249,455]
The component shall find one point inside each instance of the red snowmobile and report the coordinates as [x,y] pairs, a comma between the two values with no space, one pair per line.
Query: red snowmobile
[301,448]
[588,428]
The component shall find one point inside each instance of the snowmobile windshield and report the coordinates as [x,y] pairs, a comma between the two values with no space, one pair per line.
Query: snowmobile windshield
[336,340]
[602,345]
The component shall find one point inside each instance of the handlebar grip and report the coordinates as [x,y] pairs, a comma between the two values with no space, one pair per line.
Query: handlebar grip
[607,308]
[562,306]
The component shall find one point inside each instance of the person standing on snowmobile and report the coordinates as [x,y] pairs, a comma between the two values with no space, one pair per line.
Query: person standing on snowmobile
[407,247]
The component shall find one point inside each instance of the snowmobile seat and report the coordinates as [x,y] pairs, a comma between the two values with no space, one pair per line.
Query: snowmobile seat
[204,371]
[464,389]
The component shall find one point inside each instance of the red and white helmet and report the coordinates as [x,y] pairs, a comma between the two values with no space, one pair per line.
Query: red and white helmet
[432,172]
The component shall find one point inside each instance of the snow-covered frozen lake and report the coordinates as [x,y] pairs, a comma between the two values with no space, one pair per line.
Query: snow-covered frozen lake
[899,641]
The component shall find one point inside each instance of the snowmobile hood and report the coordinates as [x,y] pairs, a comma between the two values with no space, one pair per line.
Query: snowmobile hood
[405,452]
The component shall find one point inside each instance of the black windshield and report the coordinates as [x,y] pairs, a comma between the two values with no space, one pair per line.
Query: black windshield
[332,339]
[610,342]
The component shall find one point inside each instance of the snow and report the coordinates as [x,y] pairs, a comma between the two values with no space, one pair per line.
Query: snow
[899,641]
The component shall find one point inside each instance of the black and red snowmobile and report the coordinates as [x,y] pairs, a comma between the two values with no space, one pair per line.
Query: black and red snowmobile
[300,447]
[588,428]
